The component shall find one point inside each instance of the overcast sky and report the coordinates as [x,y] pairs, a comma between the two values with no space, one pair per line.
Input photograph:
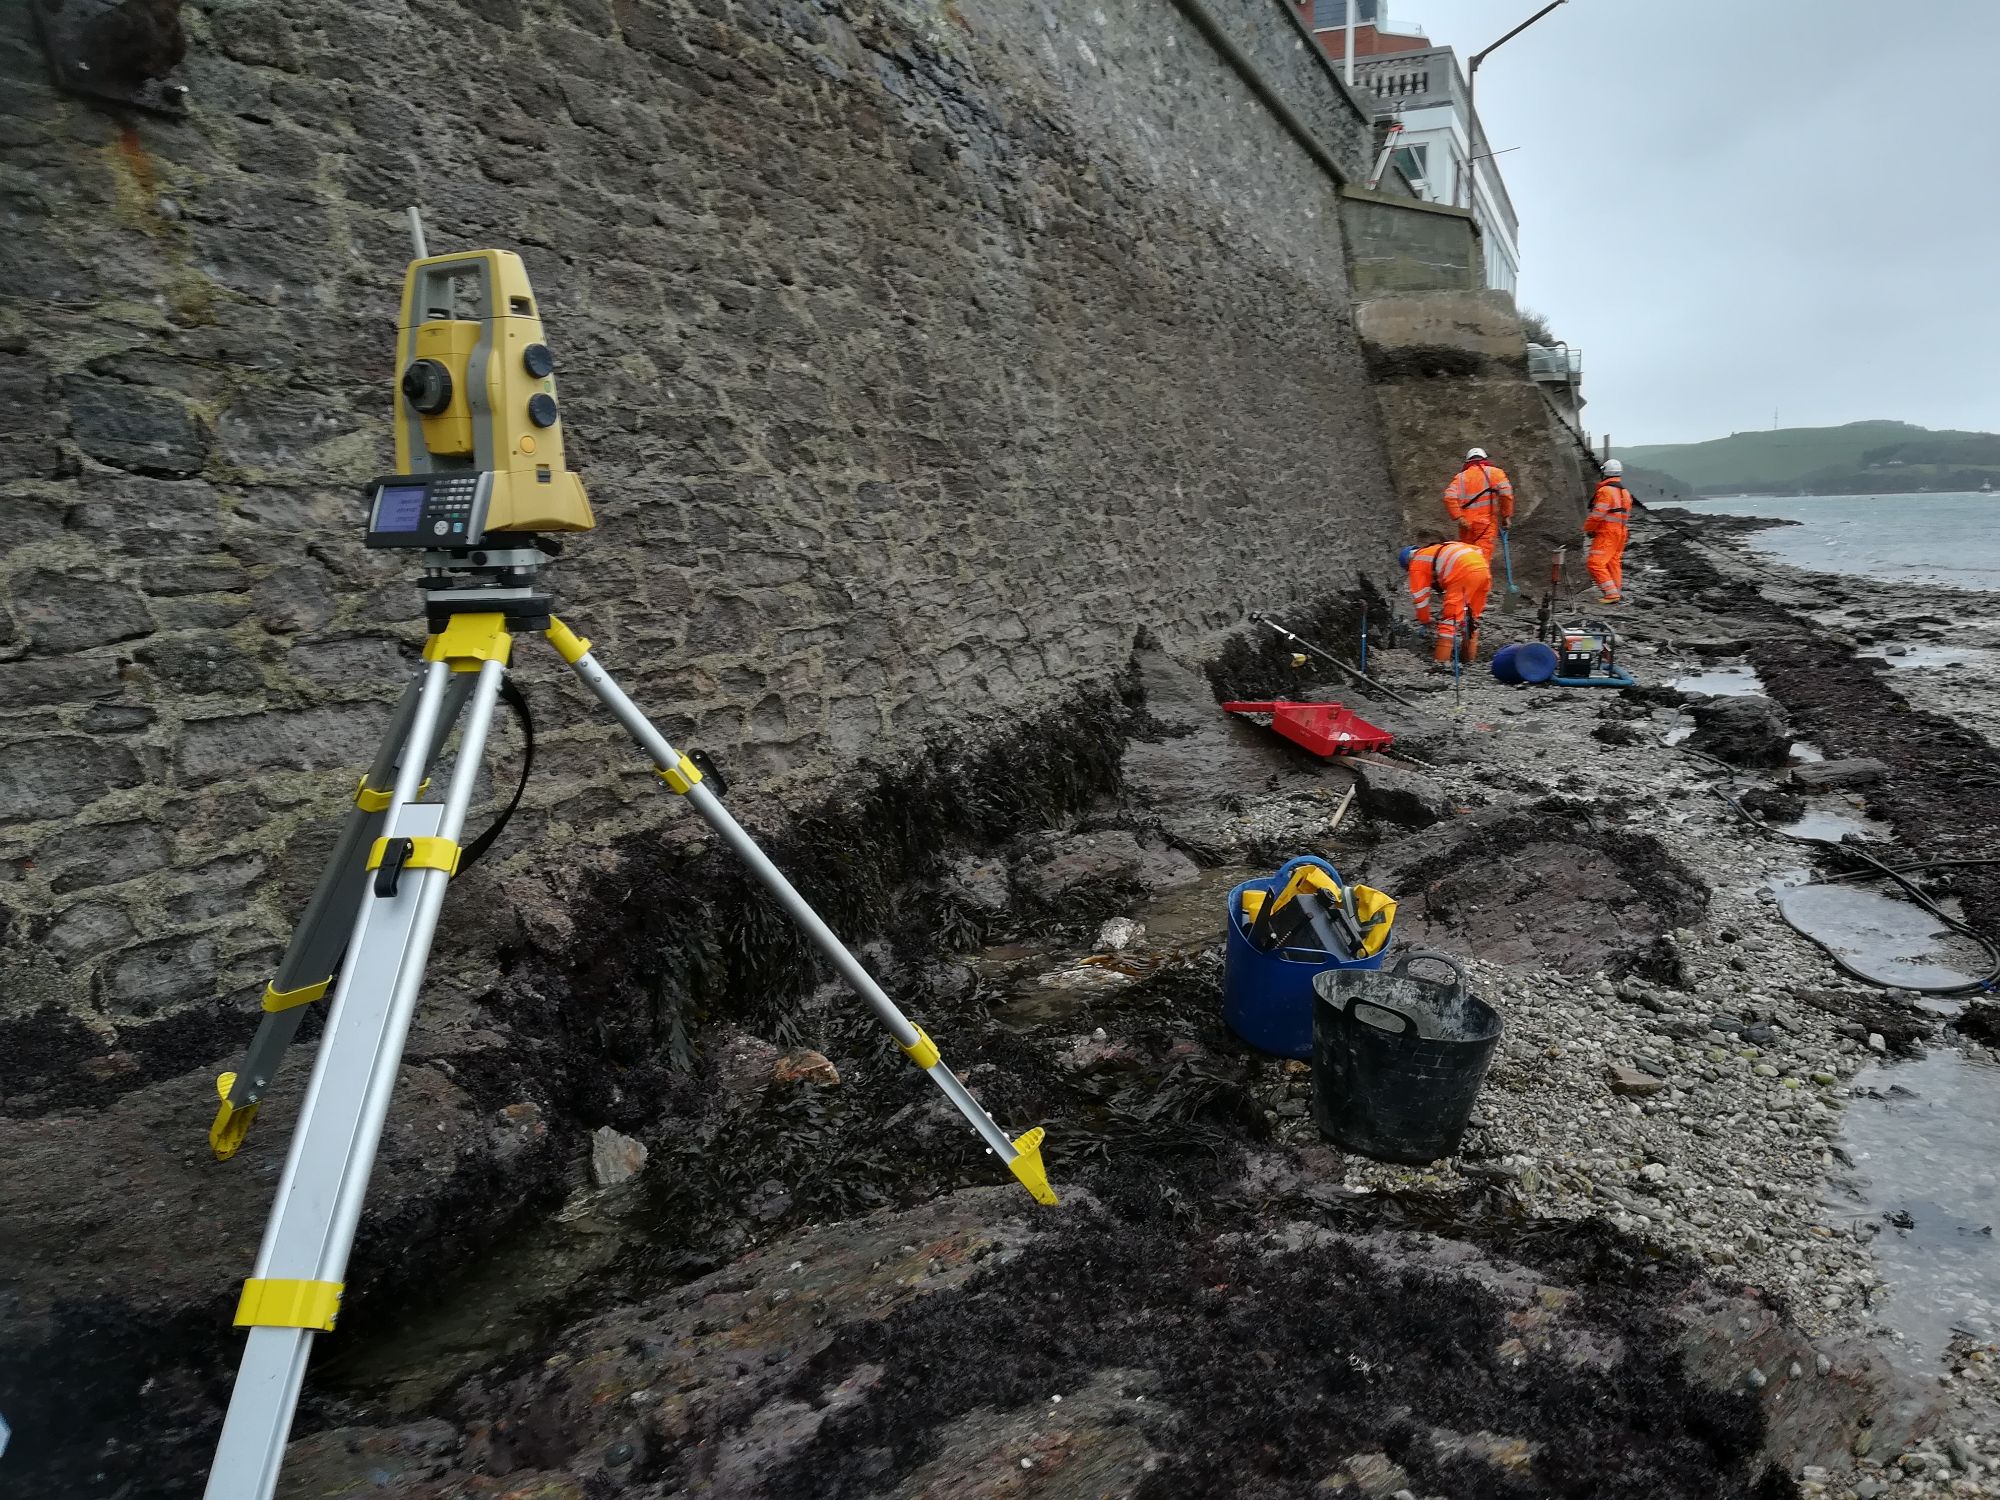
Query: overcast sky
[1736,206]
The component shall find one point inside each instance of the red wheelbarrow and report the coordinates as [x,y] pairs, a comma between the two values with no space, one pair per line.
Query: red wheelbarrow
[1323,728]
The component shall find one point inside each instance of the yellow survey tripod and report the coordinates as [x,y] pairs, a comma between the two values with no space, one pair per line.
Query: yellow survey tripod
[481,482]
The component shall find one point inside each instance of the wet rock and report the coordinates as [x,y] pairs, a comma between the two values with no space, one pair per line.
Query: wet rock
[1748,731]
[1772,805]
[1107,864]
[614,1158]
[744,1065]
[1375,1475]
[805,1066]
[137,1259]
[1118,934]
[979,884]
[1632,1083]
[1399,796]
[1823,774]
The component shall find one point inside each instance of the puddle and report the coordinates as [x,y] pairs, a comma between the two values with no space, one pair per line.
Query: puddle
[1917,658]
[1895,943]
[1723,682]
[1830,827]
[1926,1159]
[508,1303]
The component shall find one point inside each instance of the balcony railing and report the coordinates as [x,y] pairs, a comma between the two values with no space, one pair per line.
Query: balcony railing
[1560,365]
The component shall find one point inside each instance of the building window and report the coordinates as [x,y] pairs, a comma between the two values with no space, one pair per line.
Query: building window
[1413,163]
[1327,13]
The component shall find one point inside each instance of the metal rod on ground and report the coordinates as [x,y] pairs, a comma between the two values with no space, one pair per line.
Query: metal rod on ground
[1341,811]
[1457,655]
[1332,660]
[1364,639]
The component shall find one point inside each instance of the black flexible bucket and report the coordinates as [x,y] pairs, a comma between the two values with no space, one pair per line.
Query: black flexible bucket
[1398,1059]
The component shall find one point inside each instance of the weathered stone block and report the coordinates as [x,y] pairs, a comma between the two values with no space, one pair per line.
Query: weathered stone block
[102,854]
[56,776]
[60,680]
[216,888]
[140,980]
[203,664]
[131,427]
[88,927]
[71,612]
[308,739]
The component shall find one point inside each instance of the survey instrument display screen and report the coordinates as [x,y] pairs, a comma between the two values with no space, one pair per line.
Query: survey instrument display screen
[400,508]
[429,510]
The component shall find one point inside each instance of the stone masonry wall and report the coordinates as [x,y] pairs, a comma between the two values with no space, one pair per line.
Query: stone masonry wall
[916,355]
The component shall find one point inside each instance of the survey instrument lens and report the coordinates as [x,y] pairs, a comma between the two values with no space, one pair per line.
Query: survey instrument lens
[427,386]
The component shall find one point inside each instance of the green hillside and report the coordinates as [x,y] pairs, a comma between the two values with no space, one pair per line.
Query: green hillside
[1858,458]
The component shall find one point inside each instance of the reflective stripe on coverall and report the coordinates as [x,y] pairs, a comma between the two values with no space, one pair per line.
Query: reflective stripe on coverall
[1481,500]
[1607,525]
[1454,576]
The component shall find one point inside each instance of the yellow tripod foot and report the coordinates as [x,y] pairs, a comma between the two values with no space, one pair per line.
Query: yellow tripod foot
[231,1124]
[1027,1165]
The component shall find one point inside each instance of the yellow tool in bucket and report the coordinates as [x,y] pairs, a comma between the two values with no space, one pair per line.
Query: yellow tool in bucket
[1360,916]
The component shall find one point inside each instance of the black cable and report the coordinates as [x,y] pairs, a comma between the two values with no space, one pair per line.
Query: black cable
[1877,869]
[514,698]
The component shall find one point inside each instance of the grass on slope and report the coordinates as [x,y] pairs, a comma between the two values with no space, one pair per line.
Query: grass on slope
[1786,456]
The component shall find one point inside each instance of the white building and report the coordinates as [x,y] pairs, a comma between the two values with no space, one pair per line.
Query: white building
[1443,152]
[1441,149]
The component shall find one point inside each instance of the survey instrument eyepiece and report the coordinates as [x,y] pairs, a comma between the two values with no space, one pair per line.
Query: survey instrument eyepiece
[479,447]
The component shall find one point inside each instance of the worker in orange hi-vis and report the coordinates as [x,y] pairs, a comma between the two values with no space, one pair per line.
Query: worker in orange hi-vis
[1609,520]
[1449,580]
[1481,500]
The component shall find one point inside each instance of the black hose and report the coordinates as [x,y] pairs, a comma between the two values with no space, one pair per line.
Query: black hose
[1877,870]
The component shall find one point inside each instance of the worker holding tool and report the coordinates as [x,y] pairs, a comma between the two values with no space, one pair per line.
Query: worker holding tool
[1481,501]
[1609,520]
[1451,578]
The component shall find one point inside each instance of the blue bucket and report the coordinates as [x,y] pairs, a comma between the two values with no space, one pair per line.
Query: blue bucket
[1530,661]
[1267,998]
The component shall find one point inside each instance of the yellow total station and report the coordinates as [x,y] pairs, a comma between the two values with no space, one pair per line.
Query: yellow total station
[476,390]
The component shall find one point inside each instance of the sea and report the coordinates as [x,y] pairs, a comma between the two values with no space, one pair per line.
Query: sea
[1921,1140]
[1951,539]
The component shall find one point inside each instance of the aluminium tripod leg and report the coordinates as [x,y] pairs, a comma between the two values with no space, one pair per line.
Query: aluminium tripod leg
[1024,1156]
[306,971]
[295,1289]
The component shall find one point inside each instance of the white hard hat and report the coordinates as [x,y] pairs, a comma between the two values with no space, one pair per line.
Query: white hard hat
[1472,453]
[1613,468]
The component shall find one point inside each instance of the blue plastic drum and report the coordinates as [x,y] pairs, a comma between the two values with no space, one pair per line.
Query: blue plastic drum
[1267,998]
[1530,661]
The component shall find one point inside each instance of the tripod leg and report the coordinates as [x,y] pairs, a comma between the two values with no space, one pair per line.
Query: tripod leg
[306,971]
[1024,1156]
[296,1286]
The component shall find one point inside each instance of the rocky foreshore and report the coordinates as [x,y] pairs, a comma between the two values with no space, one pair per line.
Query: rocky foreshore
[800,1278]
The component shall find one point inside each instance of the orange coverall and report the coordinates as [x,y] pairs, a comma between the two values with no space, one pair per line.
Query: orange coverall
[1606,526]
[1454,576]
[1480,499]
